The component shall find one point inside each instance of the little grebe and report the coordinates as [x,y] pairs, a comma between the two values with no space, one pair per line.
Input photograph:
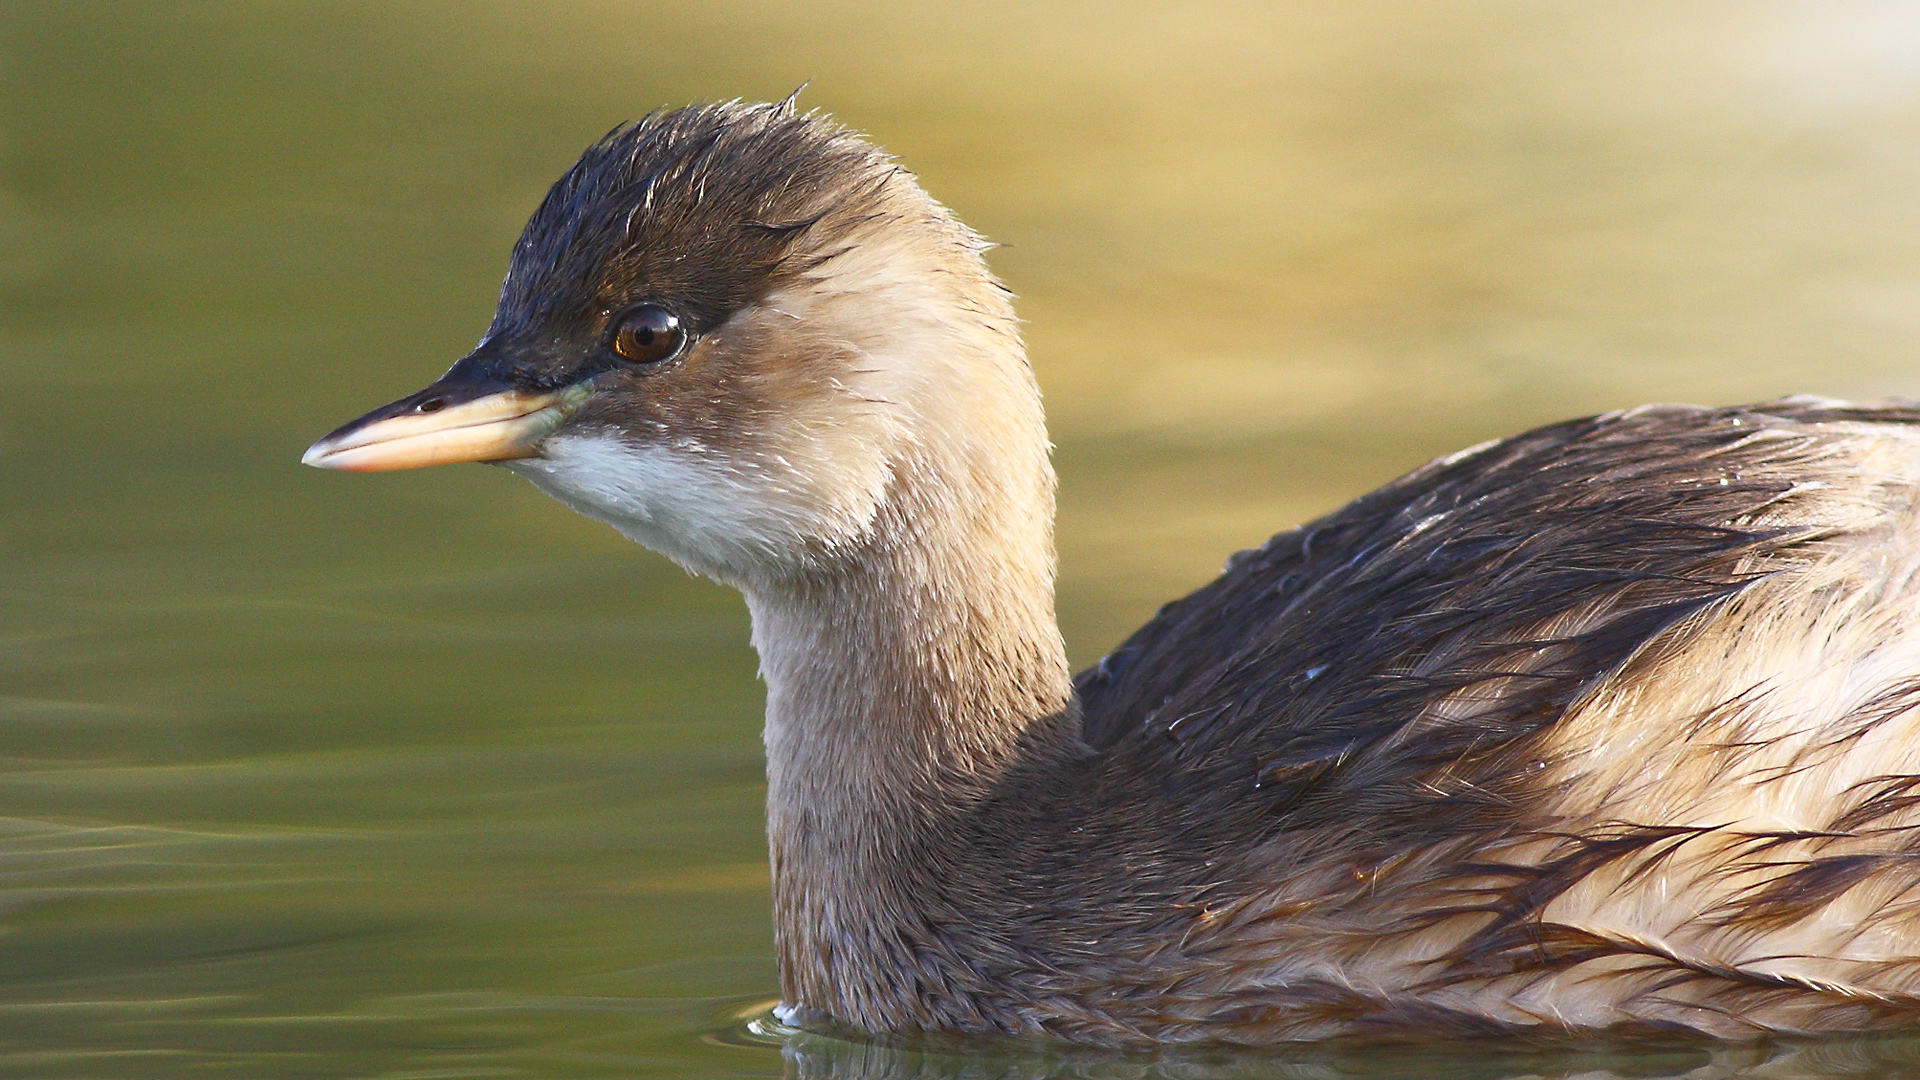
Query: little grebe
[1611,725]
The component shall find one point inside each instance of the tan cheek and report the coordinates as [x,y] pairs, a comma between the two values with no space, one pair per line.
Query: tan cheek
[767,401]
[786,387]
[688,400]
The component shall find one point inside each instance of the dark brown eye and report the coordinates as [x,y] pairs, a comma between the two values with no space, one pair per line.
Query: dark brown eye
[648,335]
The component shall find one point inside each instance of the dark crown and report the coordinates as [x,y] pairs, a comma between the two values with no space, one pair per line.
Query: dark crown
[703,209]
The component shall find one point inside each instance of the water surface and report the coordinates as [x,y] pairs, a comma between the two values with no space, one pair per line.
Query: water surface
[418,774]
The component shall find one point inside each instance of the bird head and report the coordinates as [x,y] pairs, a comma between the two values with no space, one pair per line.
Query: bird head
[737,334]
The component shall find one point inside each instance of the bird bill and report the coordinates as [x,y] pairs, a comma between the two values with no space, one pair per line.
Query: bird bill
[497,427]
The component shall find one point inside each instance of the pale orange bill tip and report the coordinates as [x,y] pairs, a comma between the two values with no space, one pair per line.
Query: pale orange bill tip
[497,427]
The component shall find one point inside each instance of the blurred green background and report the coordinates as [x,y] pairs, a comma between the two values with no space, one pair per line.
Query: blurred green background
[419,774]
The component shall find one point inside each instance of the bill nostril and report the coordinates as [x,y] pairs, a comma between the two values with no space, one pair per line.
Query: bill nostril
[431,405]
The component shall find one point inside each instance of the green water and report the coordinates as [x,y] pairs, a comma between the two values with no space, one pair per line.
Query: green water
[419,775]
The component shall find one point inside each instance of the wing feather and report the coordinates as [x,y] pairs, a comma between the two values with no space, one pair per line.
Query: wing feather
[1388,665]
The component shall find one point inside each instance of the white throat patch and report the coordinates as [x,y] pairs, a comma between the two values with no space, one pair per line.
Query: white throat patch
[679,501]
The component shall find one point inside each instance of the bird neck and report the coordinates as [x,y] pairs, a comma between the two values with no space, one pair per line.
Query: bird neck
[901,688]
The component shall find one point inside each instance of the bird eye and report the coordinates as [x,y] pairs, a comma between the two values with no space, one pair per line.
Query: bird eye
[648,334]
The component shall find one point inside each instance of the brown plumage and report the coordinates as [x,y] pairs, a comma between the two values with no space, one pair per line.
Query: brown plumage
[1611,725]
